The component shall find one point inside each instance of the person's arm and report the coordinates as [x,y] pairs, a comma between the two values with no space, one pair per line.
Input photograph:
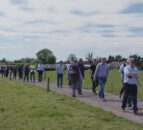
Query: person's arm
[132,74]
[96,72]
[90,71]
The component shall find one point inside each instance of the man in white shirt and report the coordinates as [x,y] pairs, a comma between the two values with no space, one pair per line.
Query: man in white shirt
[130,82]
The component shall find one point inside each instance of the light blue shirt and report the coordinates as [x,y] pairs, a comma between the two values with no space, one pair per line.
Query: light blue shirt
[40,67]
[121,71]
[101,71]
[60,69]
[130,80]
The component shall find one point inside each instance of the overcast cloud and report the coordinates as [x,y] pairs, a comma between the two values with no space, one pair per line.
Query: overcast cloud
[104,27]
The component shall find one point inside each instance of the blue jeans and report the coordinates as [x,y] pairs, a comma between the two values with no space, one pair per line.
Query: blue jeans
[79,86]
[74,86]
[59,80]
[101,82]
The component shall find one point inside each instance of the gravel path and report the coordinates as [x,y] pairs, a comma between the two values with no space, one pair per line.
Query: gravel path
[112,103]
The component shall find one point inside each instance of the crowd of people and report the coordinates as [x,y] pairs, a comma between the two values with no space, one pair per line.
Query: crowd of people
[22,72]
[99,76]
[76,74]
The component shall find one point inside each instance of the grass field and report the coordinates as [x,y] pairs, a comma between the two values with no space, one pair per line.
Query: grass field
[27,107]
[113,85]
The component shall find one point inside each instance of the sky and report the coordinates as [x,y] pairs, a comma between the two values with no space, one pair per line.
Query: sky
[103,27]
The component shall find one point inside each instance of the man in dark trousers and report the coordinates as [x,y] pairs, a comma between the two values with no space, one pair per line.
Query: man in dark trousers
[130,82]
[20,71]
[40,69]
[92,71]
[60,72]
[82,76]
[75,76]
[26,73]
[14,72]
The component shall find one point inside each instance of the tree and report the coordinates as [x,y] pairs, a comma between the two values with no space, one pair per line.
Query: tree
[25,60]
[89,57]
[3,60]
[52,59]
[110,58]
[46,56]
[137,59]
[72,57]
[118,58]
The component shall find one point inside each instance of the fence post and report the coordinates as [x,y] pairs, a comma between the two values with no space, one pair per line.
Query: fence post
[48,84]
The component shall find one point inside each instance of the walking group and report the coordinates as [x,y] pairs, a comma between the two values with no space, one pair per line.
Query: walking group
[76,74]
[99,76]
[25,72]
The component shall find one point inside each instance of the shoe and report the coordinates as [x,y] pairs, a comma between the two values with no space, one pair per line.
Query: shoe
[130,107]
[123,109]
[136,113]
[80,93]
[73,95]
[104,100]
[95,93]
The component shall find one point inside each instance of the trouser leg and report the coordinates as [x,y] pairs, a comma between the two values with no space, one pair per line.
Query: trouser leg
[79,86]
[126,94]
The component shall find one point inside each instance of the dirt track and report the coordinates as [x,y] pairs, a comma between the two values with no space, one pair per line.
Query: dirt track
[112,103]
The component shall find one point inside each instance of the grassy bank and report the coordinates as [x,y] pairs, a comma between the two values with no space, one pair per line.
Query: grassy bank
[27,107]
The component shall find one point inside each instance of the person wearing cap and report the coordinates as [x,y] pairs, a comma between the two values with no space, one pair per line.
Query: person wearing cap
[101,74]
[130,82]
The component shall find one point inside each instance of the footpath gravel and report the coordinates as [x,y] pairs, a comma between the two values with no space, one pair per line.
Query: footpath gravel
[112,103]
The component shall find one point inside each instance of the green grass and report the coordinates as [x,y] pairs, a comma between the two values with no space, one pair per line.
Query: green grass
[113,85]
[27,107]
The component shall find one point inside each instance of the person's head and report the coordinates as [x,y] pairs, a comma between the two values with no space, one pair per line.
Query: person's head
[94,61]
[103,60]
[131,62]
[80,60]
[75,62]
[61,62]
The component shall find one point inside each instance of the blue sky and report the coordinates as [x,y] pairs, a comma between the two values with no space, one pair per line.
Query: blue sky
[104,27]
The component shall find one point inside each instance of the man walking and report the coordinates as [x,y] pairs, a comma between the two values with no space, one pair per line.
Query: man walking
[60,71]
[92,71]
[40,69]
[81,70]
[32,72]
[26,72]
[75,77]
[101,74]
[130,82]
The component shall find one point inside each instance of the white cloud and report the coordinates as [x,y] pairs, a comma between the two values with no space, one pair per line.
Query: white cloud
[62,26]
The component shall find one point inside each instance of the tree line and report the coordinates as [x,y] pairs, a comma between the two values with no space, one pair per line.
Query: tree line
[46,56]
